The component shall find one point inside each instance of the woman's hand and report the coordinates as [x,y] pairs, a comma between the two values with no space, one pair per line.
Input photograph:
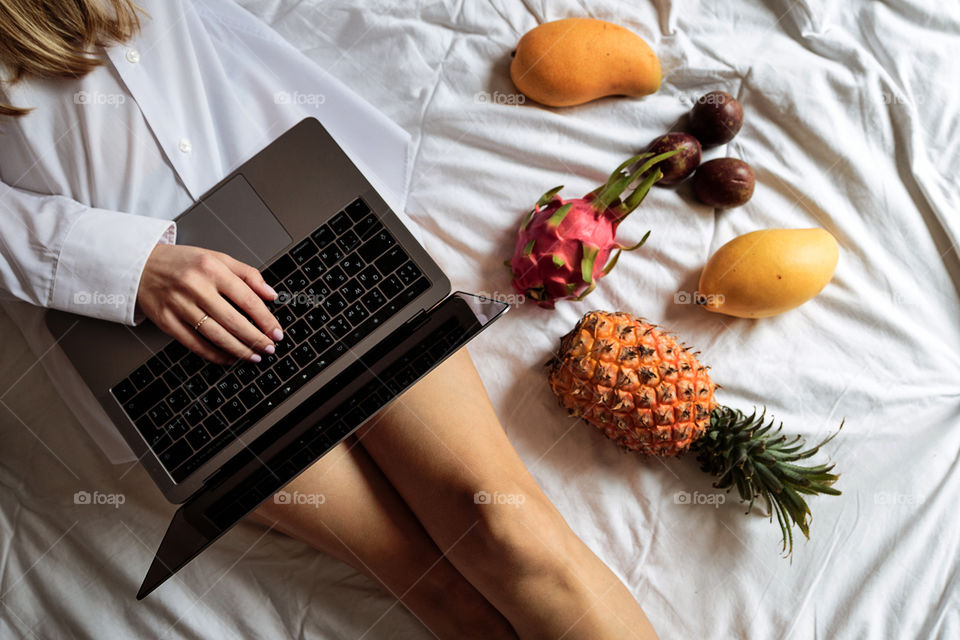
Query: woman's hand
[181,284]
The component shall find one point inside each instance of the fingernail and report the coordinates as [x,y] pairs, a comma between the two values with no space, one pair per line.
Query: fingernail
[270,349]
[272,291]
[255,358]
[277,335]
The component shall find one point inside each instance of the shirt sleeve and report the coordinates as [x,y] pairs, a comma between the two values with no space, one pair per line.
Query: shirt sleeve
[58,253]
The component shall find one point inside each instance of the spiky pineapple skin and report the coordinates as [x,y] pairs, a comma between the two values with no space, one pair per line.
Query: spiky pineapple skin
[634,383]
[550,269]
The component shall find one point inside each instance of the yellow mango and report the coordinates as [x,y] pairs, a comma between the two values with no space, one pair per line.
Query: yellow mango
[767,272]
[576,60]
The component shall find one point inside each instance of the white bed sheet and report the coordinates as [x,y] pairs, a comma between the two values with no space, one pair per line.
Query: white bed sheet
[852,120]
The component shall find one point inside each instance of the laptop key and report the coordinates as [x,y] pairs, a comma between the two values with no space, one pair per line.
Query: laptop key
[124,390]
[368,225]
[317,291]
[211,373]
[369,277]
[286,368]
[303,251]
[408,273]
[373,300]
[250,396]
[357,209]
[195,386]
[216,423]
[313,268]
[352,290]
[198,437]
[245,373]
[330,254]
[321,340]
[212,400]
[393,258]
[334,304]
[176,428]
[339,327]
[285,316]
[153,435]
[355,314]
[298,332]
[192,363]
[229,385]
[415,289]
[158,441]
[283,347]
[268,382]
[352,264]
[232,410]
[142,377]
[316,318]
[348,241]
[175,350]
[296,282]
[194,414]
[148,397]
[279,269]
[335,277]
[391,286]
[377,244]
[158,363]
[175,455]
[160,413]
[340,223]
[323,236]
[175,376]
[303,354]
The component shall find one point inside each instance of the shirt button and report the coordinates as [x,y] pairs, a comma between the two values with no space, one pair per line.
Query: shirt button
[185,145]
[133,56]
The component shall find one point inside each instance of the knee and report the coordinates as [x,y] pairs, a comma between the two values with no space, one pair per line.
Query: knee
[516,531]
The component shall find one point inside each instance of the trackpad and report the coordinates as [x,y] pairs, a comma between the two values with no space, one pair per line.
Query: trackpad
[233,219]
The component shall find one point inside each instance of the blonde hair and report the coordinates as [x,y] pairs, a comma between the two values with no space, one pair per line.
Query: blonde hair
[54,38]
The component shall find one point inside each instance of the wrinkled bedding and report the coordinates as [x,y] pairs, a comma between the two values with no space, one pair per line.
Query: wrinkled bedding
[852,124]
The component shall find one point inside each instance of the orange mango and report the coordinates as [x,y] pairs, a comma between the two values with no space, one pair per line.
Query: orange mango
[576,60]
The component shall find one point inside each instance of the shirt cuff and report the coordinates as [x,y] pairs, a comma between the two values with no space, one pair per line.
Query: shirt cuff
[101,261]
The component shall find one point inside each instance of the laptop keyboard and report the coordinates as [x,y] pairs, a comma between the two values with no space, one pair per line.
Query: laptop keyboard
[340,422]
[334,288]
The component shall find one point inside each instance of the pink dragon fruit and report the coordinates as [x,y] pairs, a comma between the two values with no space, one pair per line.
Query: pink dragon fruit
[563,245]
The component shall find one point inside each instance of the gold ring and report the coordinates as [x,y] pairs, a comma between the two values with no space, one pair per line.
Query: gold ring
[201,321]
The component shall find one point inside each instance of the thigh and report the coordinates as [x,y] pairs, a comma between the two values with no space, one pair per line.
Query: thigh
[345,507]
[440,444]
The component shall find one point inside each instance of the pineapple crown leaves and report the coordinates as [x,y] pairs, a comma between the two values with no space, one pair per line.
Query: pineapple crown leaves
[747,452]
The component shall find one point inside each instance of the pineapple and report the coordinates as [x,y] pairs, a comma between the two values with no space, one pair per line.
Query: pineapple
[650,394]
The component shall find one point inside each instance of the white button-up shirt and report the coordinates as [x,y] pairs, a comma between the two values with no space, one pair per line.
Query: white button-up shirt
[91,179]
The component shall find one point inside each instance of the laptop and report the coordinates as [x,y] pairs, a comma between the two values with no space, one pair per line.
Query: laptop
[365,314]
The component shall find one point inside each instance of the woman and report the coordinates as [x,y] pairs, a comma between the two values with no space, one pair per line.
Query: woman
[135,112]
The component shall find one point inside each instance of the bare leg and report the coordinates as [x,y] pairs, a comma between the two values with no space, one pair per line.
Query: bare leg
[441,443]
[362,521]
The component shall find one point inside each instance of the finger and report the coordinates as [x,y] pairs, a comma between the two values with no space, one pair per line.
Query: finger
[251,276]
[241,328]
[175,327]
[239,290]
[214,332]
